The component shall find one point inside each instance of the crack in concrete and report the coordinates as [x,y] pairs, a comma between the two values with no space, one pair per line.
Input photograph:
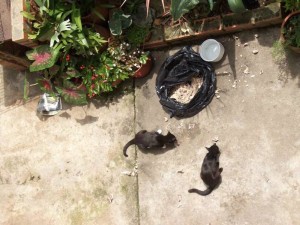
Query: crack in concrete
[136,154]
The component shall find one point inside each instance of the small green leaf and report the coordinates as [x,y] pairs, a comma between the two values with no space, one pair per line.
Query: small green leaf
[26,88]
[54,39]
[76,17]
[45,85]
[180,7]
[39,3]
[28,15]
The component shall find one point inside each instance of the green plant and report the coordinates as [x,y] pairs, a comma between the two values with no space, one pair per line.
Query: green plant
[180,7]
[291,5]
[127,55]
[48,20]
[291,31]
[136,35]
[102,74]
[69,42]
[43,56]
[147,2]
[60,24]
[119,21]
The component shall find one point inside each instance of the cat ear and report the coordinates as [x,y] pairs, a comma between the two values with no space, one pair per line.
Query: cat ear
[207,148]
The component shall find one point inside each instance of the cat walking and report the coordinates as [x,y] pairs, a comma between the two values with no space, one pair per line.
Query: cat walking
[210,171]
[147,140]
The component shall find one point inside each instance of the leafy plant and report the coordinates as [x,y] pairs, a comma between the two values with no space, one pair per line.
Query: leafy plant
[291,31]
[49,22]
[292,5]
[147,2]
[44,57]
[127,55]
[180,7]
[136,35]
[118,22]
[59,23]
[72,94]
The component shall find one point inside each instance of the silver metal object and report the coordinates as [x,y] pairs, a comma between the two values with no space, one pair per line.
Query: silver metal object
[49,105]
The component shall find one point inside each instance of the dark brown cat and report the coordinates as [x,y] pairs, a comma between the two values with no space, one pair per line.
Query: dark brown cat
[146,140]
[210,171]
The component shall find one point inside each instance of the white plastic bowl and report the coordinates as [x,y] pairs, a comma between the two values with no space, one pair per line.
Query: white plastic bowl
[211,50]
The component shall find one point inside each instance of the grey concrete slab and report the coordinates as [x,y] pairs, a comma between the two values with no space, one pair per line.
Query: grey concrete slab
[256,119]
[67,169]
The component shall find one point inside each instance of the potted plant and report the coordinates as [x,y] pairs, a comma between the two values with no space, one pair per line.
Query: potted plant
[66,43]
[137,62]
[290,27]
[290,31]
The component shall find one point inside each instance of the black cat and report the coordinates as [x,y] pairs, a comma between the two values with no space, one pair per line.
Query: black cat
[146,140]
[210,171]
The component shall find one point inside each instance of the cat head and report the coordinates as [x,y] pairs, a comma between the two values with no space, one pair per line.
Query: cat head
[171,138]
[214,149]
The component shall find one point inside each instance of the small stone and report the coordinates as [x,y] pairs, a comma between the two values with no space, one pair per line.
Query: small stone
[245,44]
[235,37]
[234,84]
[128,173]
[255,51]
[166,119]
[215,139]
[179,198]
[159,131]
[247,85]
[261,72]
[110,198]
[191,126]
[241,56]
[252,75]
[218,96]
[246,71]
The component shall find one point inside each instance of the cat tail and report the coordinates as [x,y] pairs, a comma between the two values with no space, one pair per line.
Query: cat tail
[126,146]
[203,193]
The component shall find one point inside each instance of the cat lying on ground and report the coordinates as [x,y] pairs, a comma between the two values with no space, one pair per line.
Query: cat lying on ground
[147,140]
[210,171]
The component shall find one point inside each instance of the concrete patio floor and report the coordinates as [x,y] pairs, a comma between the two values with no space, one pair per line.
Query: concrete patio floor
[69,168]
